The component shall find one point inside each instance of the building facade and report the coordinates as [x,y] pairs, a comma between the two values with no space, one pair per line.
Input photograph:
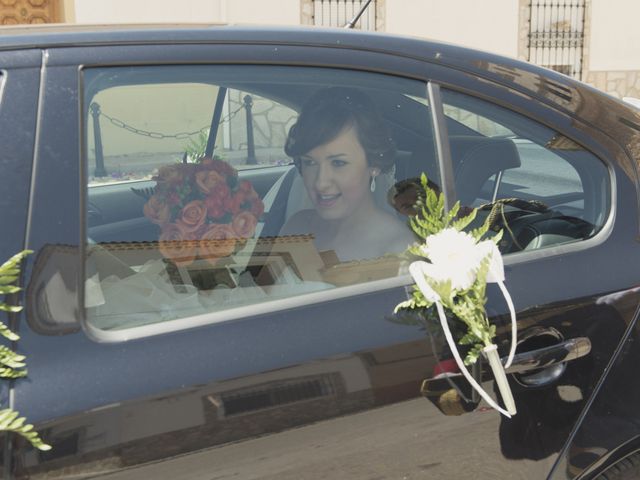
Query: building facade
[593,40]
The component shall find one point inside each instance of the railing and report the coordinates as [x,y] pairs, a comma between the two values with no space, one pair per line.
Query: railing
[336,13]
[556,35]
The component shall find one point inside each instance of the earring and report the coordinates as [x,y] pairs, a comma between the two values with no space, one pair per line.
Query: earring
[373,183]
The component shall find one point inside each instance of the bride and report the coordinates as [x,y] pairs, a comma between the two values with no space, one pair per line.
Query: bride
[340,144]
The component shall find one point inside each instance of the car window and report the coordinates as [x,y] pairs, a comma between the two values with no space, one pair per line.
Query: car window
[476,122]
[548,189]
[142,127]
[307,188]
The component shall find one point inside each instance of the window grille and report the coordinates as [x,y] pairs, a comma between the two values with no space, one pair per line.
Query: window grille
[336,13]
[556,35]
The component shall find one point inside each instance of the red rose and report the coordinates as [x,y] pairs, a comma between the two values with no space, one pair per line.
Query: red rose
[223,168]
[234,202]
[222,191]
[177,245]
[217,242]
[244,224]
[173,199]
[157,210]
[205,163]
[214,206]
[245,186]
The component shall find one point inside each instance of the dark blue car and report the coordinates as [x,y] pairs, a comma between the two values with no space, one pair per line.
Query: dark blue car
[211,292]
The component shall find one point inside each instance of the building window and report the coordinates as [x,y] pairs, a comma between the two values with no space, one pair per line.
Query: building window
[556,35]
[336,13]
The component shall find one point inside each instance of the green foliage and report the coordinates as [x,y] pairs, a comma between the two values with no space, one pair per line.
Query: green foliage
[12,365]
[10,421]
[466,306]
[197,146]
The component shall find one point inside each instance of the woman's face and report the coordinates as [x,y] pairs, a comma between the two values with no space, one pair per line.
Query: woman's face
[337,176]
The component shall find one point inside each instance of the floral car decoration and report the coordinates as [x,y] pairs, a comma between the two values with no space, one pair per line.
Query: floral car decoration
[451,273]
[204,211]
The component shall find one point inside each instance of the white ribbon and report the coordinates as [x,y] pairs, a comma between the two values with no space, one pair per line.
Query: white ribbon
[420,271]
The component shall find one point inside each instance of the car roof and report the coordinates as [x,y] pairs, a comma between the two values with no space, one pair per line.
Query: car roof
[542,84]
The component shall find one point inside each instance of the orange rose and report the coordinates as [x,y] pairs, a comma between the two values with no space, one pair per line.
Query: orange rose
[170,174]
[157,210]
[193,215]
[244,224]
[208,179]
[217,242]
[177,245]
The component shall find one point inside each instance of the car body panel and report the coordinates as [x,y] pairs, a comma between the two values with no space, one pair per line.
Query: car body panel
[320,390]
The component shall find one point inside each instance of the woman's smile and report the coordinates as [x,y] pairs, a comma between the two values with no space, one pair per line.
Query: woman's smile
[325,200]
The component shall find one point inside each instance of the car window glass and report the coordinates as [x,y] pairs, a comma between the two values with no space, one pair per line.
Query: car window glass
[549,189]
[476,122]
[308,188]
[141,127]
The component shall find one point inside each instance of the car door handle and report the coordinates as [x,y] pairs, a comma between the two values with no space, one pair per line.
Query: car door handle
[546,357]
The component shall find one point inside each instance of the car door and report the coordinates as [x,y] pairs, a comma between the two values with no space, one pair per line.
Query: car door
[19,83]
[302,371]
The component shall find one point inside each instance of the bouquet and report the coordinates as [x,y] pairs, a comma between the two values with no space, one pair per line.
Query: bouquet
[451,272]
[203,209]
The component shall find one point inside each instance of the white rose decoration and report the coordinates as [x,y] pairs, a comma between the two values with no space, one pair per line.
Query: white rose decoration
[455,256]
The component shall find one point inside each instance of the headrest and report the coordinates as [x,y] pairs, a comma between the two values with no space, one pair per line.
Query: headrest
[476,159]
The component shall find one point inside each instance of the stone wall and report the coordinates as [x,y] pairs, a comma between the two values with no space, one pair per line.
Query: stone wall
[619,84]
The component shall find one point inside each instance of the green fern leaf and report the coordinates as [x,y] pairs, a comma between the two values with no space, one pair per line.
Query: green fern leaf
[7,333]
[12,422]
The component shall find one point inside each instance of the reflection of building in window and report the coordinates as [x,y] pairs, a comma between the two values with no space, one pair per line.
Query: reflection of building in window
[336,13]
[556,35]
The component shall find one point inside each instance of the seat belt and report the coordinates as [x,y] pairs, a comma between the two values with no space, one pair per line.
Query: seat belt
[275,218]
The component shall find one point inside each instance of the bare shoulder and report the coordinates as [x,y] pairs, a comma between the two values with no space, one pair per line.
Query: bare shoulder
[299,223]
[394,233]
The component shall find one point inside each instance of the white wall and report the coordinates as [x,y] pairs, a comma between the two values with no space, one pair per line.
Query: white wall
[615,35]
[181,11]
[486,25]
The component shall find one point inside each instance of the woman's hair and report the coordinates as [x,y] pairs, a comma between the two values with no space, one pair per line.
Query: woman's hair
[331,110]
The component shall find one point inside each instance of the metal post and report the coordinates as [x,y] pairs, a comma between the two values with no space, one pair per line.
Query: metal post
[251,149]
[100,171]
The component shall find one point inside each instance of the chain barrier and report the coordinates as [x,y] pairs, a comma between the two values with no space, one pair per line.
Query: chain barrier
[158,135]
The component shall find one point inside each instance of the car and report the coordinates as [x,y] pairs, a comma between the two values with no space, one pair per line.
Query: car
[158,351]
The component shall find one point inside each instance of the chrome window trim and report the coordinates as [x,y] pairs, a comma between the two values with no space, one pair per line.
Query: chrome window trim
[3,81]
[235,313]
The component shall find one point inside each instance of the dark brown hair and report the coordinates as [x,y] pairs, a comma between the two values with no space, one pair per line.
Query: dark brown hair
[331,110]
